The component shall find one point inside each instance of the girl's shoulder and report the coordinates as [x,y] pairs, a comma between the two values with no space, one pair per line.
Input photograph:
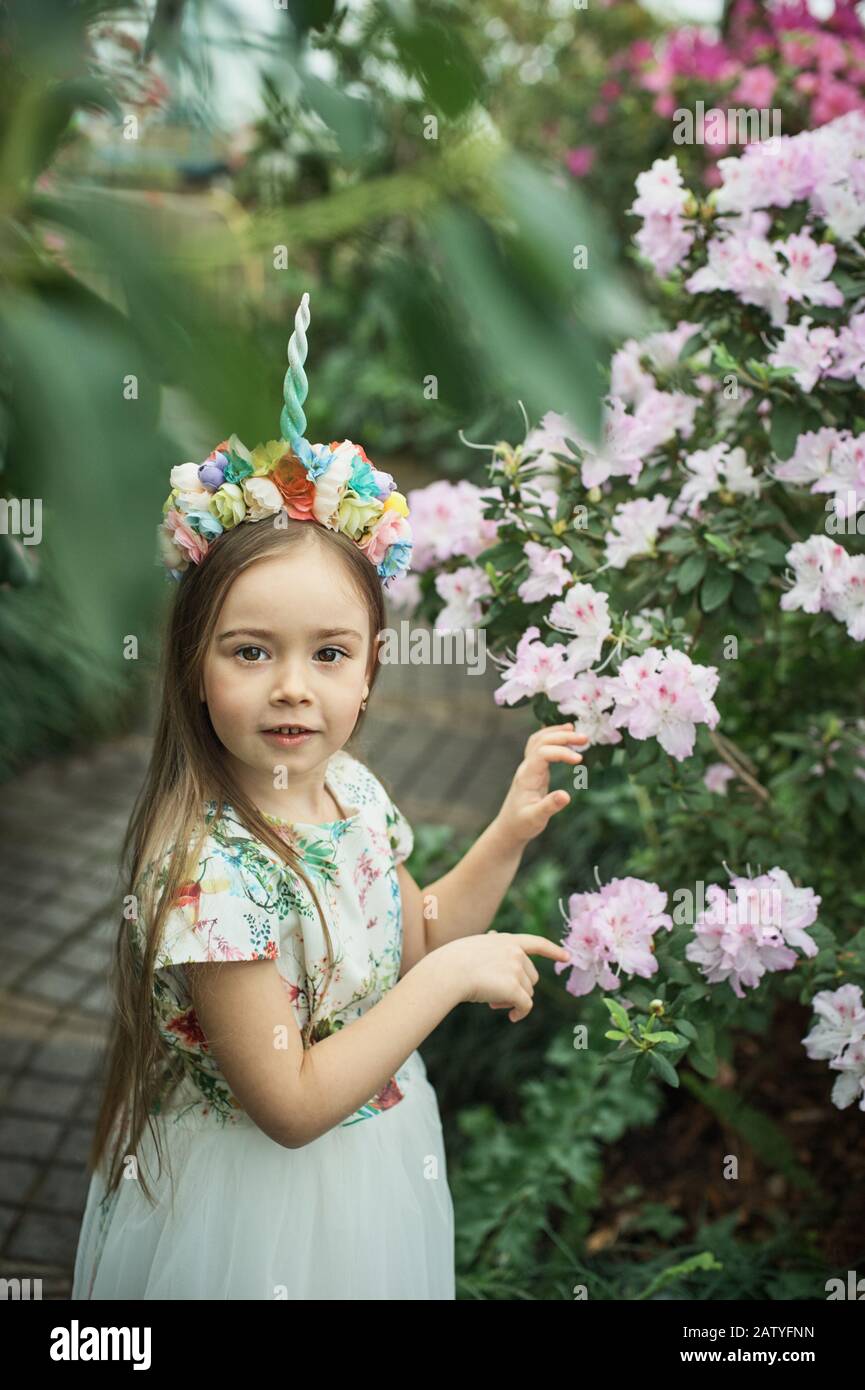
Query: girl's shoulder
[357,784]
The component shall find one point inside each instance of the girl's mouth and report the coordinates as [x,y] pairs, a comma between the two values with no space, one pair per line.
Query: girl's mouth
[288,740]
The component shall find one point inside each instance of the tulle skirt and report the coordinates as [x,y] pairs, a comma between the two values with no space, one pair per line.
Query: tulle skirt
[363,1212]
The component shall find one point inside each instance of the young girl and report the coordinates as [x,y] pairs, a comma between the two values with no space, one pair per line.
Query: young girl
[277,967]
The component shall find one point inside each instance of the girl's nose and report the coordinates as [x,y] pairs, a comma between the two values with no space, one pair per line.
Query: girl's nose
[291,682]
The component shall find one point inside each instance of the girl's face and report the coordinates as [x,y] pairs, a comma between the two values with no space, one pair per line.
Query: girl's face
[291,646]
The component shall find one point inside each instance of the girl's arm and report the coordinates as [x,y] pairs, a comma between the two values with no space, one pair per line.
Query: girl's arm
[295,1095]
[464,901]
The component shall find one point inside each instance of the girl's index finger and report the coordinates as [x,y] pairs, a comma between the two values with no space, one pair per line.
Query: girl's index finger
[541,946]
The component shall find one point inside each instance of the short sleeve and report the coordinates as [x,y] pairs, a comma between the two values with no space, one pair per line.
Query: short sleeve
[227,911]
[399,831]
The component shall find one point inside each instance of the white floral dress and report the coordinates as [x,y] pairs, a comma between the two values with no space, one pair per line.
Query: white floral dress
[364,1211]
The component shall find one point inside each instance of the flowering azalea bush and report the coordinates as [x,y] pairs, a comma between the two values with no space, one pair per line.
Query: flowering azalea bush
[775,57]
[688,591]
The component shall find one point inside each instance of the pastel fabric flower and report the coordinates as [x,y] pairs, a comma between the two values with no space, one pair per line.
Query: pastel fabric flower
[228,504]
[362,481]
[391,528]
[265,457]
[191,544]
[396,560]
[204,522]
[334,485]
[354,514]
[295,485]
[330,483]
[263,498]
[185,477]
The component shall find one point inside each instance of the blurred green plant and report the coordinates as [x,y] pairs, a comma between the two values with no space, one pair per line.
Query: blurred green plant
[131,320]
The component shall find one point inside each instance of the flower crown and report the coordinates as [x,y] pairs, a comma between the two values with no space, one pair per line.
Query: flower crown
[333,484]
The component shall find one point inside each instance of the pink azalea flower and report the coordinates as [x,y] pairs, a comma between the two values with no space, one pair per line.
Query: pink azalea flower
[636,526]
[739,938]
[838,1036]
[583,612]
[808,351]
[717,776]
[547,572]
[664,695]
[535,669]
[614,927]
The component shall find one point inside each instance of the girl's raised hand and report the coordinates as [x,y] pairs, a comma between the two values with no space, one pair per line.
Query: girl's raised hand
[529,803]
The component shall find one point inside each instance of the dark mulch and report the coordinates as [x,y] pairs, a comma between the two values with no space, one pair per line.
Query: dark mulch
[680,1162]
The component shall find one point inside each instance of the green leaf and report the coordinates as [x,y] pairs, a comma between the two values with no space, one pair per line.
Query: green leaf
[757,572]
[690,572]
[677,545]
[800,742]
[745,599]
[720,543]
[618,1013]
[641,1067]
[715,590]
[704,1262]
[504,556]
[615,1035]
[694,344]
[788,422]
[836,792]
[770,549]
[664,1068]
[692,993]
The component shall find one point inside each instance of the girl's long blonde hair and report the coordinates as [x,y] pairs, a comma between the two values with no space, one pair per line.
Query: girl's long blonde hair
[187,766]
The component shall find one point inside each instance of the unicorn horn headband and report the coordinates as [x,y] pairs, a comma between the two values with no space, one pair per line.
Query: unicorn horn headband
[334,485]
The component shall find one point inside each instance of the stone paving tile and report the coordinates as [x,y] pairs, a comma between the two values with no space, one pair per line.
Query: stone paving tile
[433,735]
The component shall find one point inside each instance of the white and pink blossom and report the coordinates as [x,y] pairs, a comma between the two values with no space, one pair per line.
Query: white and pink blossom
[547,571]
[584,613]
[613,930]
[838,1036]
[827,579]
[755,928]
[665,695]
[636,527]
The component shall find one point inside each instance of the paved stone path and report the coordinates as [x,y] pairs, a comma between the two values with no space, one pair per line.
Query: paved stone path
[433,732]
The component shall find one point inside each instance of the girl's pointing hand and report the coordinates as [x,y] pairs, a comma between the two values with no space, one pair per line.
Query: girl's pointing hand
[529,803]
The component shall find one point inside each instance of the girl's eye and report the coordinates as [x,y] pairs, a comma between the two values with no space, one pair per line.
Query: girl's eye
[256,662]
